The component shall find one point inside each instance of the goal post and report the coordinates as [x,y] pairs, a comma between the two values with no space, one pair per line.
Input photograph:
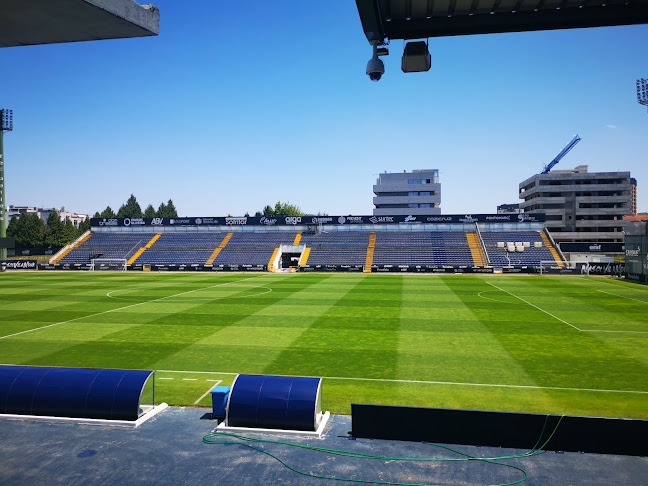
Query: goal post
[108,264]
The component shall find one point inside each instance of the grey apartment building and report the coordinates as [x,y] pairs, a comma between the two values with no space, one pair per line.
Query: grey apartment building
[407,193]
[581,206]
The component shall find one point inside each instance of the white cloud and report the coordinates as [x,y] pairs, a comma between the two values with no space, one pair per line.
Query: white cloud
[610,126]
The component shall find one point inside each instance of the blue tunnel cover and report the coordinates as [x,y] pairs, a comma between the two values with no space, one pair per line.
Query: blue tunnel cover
[275,402]
[72,392]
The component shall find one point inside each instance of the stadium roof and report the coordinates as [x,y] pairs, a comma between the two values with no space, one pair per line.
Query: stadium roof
[419,19]
[36,22]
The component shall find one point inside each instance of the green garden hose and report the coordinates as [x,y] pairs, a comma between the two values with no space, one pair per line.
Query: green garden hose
[235,439]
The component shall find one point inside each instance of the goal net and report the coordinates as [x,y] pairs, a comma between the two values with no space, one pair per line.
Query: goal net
[112,264]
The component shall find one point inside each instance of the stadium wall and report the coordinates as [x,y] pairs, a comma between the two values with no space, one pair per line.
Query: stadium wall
[636,258]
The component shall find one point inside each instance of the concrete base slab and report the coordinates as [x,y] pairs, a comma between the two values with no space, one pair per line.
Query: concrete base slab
[88,421]
[242,430]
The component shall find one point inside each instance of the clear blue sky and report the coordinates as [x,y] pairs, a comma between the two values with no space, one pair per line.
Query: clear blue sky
[238,105]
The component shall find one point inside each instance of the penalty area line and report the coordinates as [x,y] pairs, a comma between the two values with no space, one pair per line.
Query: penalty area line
[533,305]
[622,296]
[122,308]
[218,382]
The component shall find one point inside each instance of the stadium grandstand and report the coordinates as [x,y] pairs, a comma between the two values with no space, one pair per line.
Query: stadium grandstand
[454,243]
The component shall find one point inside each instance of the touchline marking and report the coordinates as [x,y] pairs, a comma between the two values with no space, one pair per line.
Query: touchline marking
[190,379]
[623,296]
[161,378]
[125,307]
[424,382]
[532,305]
[603,330]
[218,382]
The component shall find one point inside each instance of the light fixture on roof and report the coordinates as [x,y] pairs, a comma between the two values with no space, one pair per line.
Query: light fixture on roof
[6,120]
[642,91]
[416,57]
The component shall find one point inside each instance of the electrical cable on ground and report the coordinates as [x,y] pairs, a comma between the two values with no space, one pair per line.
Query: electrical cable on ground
[242,440]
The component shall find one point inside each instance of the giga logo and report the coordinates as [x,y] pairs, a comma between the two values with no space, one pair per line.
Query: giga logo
[293,219]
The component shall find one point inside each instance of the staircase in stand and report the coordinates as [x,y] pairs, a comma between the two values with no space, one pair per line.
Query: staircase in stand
[479,259]
[143,249]
[552,249]
[370,252]
[222,245]
[73,246]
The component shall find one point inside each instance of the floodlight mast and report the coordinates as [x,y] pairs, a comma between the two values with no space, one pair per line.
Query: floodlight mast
[642,91]
[6,124]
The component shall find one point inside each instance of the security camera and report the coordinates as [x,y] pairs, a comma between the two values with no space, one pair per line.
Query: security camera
[375,68]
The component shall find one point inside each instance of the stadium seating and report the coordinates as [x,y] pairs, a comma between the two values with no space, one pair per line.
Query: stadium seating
[337,248]
[107,245]
[501,257]
[422,248]
[326,248]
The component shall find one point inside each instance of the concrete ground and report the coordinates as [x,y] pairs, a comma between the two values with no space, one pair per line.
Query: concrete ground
[168,450]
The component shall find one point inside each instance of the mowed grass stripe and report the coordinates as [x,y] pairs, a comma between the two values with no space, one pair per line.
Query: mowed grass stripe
[351,338]
[563,357]
[69,318]
[441,354]
[247,345]
[144,343]
[371,319]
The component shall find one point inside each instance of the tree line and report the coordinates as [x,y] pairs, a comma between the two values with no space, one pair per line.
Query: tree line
[30,231]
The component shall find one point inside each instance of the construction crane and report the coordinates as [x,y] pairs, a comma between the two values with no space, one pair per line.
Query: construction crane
[562,153]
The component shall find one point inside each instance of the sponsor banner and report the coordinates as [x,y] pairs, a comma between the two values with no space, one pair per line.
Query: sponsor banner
[317,220]
[430,269]
[66,266]
[20,264]
[238,268]
[586,268]
[35,251]
[592,247]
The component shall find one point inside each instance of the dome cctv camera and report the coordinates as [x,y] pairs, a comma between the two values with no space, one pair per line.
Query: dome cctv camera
[375,68]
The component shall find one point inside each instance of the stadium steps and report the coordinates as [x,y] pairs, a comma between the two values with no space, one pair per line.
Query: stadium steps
[370,252]
[479,259]
[143,249]
[304,257]
[218,249]
[73,246]
[550,247]
[297,239]
[272,259]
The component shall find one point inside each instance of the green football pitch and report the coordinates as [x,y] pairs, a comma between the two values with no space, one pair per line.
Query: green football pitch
[574,345]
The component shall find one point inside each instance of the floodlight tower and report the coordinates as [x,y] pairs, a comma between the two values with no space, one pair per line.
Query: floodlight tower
[642,91]
[6,124]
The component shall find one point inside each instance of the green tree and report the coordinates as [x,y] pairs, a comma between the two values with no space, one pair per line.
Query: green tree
[167,210]
[131,209]
[149,212]
[171,209]
[107,213]
[54,231]
[69,233]
[161,211]
[83,226]
[28,231]
[283,209]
